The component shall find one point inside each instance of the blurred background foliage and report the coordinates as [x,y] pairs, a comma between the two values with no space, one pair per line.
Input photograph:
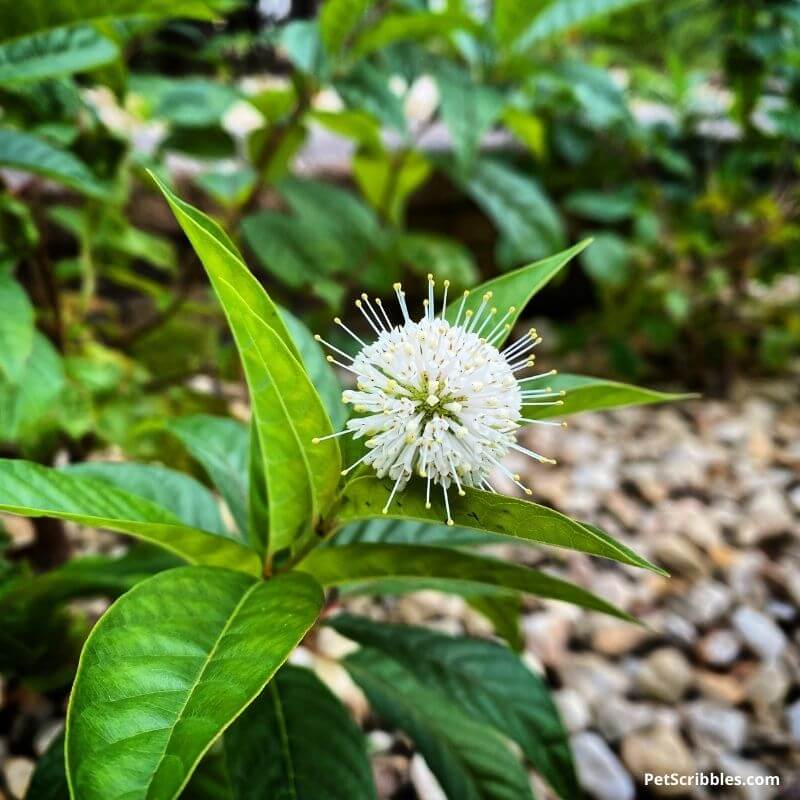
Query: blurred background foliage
[348,144]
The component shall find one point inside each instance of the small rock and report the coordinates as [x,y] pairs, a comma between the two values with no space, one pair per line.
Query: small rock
[20,529]
[682,557]
[593,677]
[600,772]
[749,772]
[617,717]
[715,725]
[424,781]
[380,741]
[769,512]
[793,720]
[546,635]
[46,734]
[706,602]
[333,645]
[759,632]
[768,686]
[390,773]
[665,675]
[725,688]
[574,710]
[719,648]
[614,637]
[660,751]
[18,772]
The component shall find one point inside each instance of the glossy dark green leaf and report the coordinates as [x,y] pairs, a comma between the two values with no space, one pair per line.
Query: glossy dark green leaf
[31,490]
[486,681]
[28,153]
[16,328]
[358,563]
[298,740]
[518,287]
[181,494]
[584,393]
[54,53]
[337,20]
[302,477]
[221,446]
[503,611]
[470,759]
[365,497]
[168,669]
[49,781]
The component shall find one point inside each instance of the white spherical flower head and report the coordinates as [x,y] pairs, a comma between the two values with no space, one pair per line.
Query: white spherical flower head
[438,398]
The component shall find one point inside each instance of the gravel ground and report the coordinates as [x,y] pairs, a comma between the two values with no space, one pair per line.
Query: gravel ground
[710,490]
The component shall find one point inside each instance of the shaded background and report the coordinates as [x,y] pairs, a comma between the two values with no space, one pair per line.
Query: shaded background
[346,146]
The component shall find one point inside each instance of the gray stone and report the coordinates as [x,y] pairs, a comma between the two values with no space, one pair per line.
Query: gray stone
[593,678]
[573,708]
[600,772]
[665,675]
[424,781]
[793,720]
[768,686]
[660,751]
[716,725]
[748,771]
[759,632]
[719,647]
[682,557]
[706,602]
[617,717]
[769,513]
[18,772]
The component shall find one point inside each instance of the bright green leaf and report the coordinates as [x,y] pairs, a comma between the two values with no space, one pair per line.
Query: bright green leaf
[155,687]
[31,490]
[337,20]
[365,497]
[302,477]
[298,741]
[518,287]
[388,180]
[597,394]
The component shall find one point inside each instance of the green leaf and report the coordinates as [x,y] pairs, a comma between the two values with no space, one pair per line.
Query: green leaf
[608,261]
[469,109]
[559,16]
[470,760]
[302,477]
[49,781]
[597,394]
[27,409]
[29,153]
[486,681]
[35,15]
[16,328]
[518,287]
[401,531]
[298,741]
[607,207]
[31,490]
[221,446]
[54,53]
[516,204]
[365,497]
[446,258]
[185,102]
[337,20]
[366,88]
[169,667]
[230,188]
[392,28]
[356,563]
[387,180]
[181,494]
[503,611]
[319,370]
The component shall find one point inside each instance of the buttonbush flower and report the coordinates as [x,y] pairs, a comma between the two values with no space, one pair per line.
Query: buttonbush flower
[440,399]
